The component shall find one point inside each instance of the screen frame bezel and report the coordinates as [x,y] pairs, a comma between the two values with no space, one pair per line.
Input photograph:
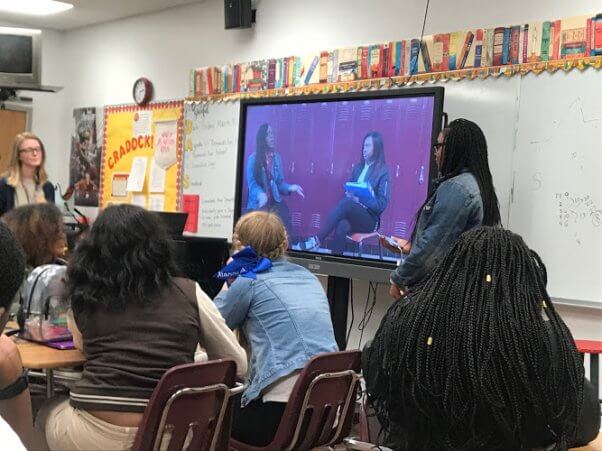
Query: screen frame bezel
[25,80]
[320,260]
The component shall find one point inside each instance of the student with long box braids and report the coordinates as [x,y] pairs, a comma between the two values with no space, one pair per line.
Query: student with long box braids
[479,359]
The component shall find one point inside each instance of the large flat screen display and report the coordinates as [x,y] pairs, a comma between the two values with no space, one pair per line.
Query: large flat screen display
[341,169]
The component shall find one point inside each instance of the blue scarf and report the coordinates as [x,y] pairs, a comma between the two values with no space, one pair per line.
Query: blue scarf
[245,263]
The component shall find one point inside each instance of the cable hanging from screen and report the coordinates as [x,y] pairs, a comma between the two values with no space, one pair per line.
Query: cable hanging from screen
[368,310]
[352,311]
[426,11]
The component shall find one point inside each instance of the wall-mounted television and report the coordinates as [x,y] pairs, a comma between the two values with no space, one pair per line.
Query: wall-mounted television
[20,58]
[339,169]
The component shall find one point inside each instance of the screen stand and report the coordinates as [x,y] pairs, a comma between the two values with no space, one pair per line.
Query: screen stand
[338,299]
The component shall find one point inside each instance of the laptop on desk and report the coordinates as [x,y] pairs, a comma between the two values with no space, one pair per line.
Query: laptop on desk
[174,221]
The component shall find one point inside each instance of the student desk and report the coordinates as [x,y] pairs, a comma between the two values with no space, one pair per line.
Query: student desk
[36,356]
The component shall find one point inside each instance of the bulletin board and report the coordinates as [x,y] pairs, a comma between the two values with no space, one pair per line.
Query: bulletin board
[142,155]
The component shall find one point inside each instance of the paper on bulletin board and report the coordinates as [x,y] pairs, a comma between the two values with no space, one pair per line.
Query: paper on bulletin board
[137,174]
[143,123]
[156,178]
[139,200]
[122,145]
[119,186]
[166,150]
[156,202]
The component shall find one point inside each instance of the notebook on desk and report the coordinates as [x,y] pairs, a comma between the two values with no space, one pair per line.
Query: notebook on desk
[68,344]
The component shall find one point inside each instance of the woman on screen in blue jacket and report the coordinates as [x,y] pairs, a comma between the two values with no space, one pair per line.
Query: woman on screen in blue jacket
[464,198]
[358,213]
[265,178]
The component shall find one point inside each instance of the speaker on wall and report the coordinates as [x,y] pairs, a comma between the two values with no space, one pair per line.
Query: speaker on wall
[238,14]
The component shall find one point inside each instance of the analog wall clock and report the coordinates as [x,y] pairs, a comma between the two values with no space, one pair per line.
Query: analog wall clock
[142,91]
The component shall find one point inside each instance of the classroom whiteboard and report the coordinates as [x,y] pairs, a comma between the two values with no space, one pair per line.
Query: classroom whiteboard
[557,204]
[493,104]
[209,170]
[544,135]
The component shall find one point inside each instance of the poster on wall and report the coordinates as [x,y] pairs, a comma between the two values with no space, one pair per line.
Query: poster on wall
[84,164]
[142,157]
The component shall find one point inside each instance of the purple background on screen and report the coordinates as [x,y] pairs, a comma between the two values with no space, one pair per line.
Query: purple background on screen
[321,142]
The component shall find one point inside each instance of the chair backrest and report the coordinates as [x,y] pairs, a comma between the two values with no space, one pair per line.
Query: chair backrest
[189,408]
[320,409]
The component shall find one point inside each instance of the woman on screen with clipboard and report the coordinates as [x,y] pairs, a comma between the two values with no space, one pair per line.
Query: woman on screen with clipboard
[366,197]
[464,198]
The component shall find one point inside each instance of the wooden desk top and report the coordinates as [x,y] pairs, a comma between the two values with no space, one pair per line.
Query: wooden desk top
[38,357]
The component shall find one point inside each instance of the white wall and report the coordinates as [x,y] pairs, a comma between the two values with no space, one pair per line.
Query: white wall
[97,65]
[50,117]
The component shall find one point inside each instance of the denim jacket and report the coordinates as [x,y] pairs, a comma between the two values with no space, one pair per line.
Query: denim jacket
[285,316]
[455,207]
[278,186]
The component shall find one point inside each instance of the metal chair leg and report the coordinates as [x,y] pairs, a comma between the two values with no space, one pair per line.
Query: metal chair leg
[594,371]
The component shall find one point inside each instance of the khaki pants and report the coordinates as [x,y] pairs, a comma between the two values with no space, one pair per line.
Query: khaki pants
[67,428]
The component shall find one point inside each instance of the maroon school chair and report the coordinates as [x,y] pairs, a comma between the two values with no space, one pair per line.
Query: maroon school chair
[594,349]
[321,406]
[189,408]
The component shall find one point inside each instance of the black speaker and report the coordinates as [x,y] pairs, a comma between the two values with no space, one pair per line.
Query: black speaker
[238,13]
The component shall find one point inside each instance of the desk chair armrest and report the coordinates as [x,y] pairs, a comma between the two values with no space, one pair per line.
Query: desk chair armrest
[238,388]
[357,445]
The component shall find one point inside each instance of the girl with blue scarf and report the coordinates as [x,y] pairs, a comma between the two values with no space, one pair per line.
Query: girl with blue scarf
[282,310]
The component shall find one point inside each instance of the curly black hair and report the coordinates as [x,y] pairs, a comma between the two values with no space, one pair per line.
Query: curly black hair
[125,258]
[12,266]
[40,230]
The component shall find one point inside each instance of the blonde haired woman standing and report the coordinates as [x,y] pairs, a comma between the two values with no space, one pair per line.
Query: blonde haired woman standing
[283,312]
[25,182]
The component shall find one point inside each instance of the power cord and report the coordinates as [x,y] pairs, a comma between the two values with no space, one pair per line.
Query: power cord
[368,310]
[414,69]
[352,311]
[424,21]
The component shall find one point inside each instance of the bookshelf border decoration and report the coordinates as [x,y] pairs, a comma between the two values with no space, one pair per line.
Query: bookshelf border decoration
[536,47]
